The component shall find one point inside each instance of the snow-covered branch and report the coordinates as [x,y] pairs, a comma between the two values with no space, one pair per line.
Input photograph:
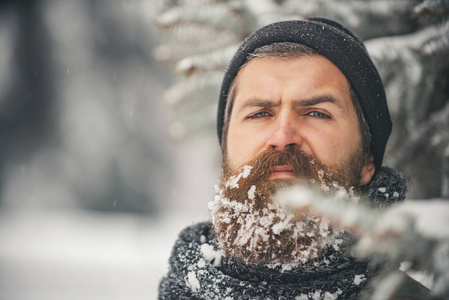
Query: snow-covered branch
[432,7]
[413,231]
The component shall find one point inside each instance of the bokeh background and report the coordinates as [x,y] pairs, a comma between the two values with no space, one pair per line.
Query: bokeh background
[107,135]
[93,190]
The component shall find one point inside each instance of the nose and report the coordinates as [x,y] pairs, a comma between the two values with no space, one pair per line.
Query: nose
[286,134]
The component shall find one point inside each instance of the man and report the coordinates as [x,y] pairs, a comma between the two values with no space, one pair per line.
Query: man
[301,102]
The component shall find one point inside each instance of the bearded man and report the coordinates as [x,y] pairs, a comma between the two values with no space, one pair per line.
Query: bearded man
[301,102]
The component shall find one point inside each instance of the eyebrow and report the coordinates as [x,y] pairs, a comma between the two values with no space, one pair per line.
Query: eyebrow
[303,102]
[317,100]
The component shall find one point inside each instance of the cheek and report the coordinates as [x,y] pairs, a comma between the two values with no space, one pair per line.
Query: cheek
[326,147]
[336,148]
[234,148]
[242,147]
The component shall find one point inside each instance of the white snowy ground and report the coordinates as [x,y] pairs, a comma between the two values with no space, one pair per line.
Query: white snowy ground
[68,255]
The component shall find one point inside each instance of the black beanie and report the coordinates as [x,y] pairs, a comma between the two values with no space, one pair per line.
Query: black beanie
[343,49]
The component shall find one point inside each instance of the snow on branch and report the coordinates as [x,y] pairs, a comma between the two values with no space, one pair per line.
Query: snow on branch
[434,130]
[190,100]
[213,61]
[438,45]
[220,18]
[445,181]
[358,16]
[432,7]
[192,91]
[414,231]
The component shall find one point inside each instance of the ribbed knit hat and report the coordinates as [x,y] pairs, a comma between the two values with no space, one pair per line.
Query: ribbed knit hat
[344,50]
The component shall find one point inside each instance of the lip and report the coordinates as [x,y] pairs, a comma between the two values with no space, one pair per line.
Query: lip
[282,172]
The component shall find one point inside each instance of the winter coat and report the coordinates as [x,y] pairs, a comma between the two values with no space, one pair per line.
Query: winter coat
[198,269]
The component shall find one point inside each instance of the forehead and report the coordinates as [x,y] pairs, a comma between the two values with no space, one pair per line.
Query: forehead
[309,75]
[312,71]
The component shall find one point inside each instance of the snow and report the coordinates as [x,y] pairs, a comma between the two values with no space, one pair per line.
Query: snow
[414,230]
[210,254]
[233,181]
[255,228]
[246,171]
[358,279]
[319,295]
[201,263]
[297,197]
[282,225]
[251,192]
[333,296]
[193,282]
[57,254]
[431,216]
[386,288]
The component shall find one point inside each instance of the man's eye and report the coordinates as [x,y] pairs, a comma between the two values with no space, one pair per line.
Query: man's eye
[257,115]
[318,114]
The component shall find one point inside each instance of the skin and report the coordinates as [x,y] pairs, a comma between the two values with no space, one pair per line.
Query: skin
[301,102]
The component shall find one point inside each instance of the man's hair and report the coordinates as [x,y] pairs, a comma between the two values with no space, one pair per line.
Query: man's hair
[289,50]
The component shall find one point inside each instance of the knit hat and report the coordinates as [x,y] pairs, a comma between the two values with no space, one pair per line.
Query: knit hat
[344,50]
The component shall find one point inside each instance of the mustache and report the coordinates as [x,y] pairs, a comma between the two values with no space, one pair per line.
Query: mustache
[305,167]
[302,164]
[292,156]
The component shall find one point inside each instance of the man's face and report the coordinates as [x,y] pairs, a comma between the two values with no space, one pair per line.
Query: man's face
[299,102]
[293,121]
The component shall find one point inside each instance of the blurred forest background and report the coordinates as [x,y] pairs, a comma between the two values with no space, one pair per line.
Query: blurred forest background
[81,121]
[105,155]
[93,191]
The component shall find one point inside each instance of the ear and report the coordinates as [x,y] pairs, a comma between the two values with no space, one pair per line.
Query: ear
[368,170]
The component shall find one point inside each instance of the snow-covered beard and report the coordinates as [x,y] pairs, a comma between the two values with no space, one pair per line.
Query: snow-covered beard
[250,226]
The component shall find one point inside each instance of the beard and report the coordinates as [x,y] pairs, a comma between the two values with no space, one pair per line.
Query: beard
[251,227]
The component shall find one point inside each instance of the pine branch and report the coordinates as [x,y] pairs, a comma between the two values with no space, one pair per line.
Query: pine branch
[413,231]
[445,181]
[175,51]
[409,74]
[191,102]
[218,18]
[197,32]
[167,4]
[200,121]
[213,61]
[359,16]
[432,8]
[196,89]
[420,136]
[438,45]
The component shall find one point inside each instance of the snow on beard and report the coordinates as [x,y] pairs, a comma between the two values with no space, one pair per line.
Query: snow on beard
[249,226]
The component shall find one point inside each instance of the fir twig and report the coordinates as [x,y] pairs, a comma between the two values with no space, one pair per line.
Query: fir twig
[432,8]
